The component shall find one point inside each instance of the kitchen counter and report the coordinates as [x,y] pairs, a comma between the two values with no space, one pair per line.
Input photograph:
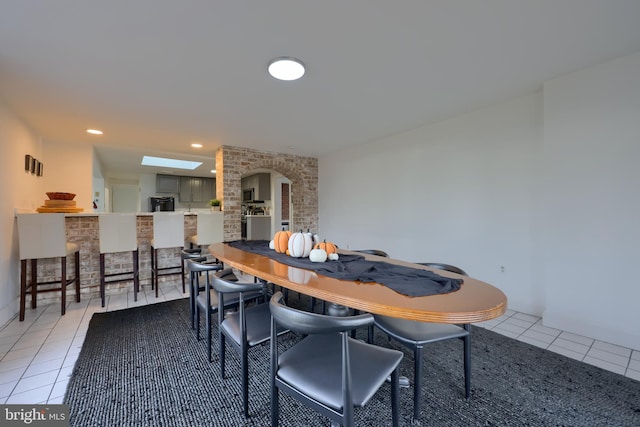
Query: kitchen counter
[82,229]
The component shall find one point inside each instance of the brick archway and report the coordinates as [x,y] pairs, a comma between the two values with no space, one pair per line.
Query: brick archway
[232,163]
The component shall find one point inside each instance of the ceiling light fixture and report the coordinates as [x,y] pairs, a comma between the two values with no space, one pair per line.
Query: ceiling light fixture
[286,68]
[196,145]
[94,131]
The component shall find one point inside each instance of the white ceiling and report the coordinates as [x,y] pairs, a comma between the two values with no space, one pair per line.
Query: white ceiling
[160,74]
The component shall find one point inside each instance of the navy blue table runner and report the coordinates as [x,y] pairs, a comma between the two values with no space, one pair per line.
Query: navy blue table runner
[413,282]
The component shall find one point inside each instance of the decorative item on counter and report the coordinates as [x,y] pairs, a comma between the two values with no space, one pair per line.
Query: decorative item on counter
[318,255]
[329,247]
[333,257]
[55,195]
[272,244]
[281,241]
[215,204]
[300,244]
[59,203]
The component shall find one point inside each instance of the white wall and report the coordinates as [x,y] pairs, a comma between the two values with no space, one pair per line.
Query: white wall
[458,192]
[544,185]
[20,190]
[98,185]
[592,201]
[69,169]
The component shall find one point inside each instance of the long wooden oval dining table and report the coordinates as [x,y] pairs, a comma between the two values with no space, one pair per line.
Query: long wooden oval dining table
[475,301]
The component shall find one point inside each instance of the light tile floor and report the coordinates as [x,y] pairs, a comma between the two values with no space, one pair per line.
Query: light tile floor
[37,356]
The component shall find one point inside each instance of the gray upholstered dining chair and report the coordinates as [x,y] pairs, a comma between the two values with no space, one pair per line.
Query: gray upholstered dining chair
[416,335]
[328,370]
[194,287]
[376,252]
[205,297]
[245,328]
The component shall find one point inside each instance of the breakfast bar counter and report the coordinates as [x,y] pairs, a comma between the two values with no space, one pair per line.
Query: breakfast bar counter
[82,229]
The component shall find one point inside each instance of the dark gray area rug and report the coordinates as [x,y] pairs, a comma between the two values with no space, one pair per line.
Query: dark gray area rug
[143,367]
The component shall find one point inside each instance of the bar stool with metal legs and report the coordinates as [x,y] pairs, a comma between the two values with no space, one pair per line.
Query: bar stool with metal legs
[168,233]
[43,236]
[118,233]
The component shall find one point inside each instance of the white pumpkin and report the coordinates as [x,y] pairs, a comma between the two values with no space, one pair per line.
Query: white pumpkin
[318,255]
[300,245]
[333,257]
[272,245]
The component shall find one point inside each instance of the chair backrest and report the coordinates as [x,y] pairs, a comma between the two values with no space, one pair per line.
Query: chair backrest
[446,267]
[118,232]
[210,227]
[226,286]
[308,323]
[377,252]
[42,235]
[168,230]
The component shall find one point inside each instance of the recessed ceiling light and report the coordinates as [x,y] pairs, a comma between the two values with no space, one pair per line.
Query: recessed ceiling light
[94,131]
[169,163]
[196,145]
[213,171]
[286,68]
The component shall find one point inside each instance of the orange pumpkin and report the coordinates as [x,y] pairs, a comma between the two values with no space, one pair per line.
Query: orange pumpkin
[329,248]
[281,241]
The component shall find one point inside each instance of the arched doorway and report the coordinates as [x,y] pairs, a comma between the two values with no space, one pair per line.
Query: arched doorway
[232,163]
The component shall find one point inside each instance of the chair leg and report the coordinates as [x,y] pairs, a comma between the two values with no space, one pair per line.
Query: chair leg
[370,334]
[245,380]
[467,362]
[102,279]
[23,288]
[192,299]
[182,274]
[275,403]
[196,321]
[63,283]
[221,342]
[417,381]
[34,283]
[77,272]
[153,268]
[155,256]
[395,392]
[209,332]
[136,274]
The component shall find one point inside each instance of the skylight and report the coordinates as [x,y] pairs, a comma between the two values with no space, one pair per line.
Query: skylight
[169,163]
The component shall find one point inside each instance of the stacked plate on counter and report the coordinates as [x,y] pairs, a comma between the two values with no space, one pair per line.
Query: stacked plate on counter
[59,202]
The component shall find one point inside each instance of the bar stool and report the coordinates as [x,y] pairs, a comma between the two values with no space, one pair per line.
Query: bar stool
[209,229]
[43,236]
[168,232]
[118,233]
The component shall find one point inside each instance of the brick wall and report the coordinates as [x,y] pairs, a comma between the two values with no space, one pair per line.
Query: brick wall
[232,163]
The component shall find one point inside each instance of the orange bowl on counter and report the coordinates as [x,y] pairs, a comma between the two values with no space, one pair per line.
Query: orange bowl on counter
[60,196]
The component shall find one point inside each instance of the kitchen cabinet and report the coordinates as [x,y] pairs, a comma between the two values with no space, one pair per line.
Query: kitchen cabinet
[167,184]
[194,189]
[260,183]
